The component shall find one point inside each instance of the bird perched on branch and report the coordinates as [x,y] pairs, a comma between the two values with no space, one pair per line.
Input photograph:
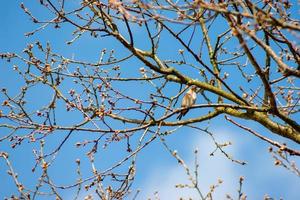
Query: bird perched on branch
[188,100]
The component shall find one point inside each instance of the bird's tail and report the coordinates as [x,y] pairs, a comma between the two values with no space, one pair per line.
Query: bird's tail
[180,116]
[182,113]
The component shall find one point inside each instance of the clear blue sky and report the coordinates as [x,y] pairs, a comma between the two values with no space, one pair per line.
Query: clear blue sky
[156,169]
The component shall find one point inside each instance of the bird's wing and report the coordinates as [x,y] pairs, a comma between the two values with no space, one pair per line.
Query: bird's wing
[185,100]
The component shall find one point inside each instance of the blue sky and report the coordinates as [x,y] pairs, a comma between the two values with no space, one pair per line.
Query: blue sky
[156,169]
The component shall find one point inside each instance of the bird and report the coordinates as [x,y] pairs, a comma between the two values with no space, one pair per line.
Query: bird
[188,100]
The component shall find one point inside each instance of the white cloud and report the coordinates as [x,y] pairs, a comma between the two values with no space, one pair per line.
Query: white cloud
[261,176]
[211,168]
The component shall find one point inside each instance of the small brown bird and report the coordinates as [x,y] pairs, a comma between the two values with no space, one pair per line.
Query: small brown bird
[188,100]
